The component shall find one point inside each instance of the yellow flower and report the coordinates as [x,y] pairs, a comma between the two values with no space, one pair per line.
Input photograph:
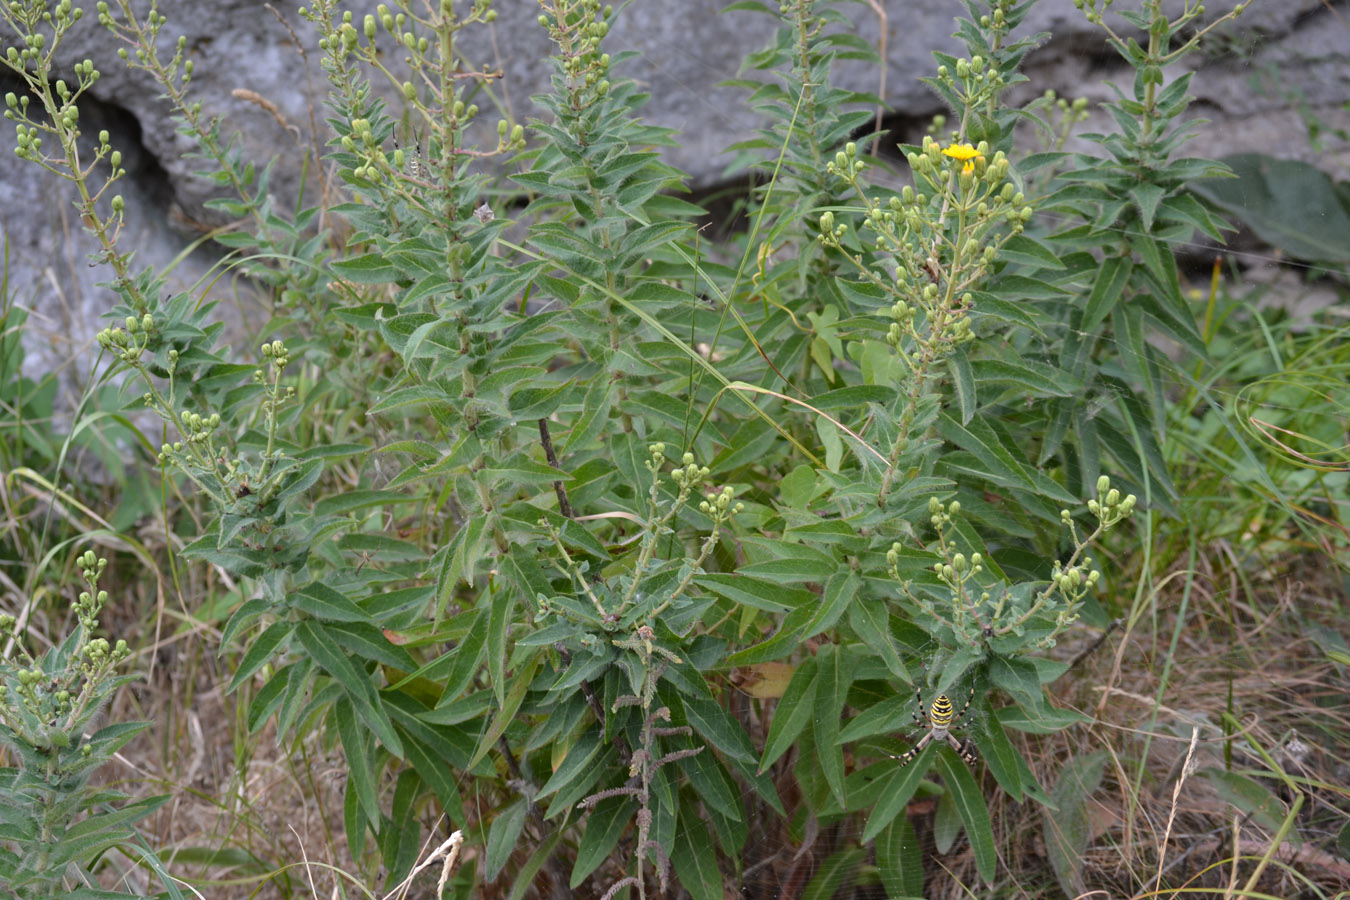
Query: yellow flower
[966,154]
[961,152]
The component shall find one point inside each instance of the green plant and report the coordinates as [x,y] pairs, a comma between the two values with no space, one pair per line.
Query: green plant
[446,480]
[56,824]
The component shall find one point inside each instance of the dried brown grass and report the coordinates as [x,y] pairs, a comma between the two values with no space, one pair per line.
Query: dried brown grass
[1159,827]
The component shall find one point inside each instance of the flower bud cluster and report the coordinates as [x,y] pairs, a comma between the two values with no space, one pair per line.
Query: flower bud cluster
[16,105]
[974,79]
[719,505]
[657,461]
[128,345]
[27,17]
[1110,507]
[958,571]
[276,352]
[363,142]
[91,566]
[27,142]
[1072,579]
[846,163]
[197,428]
[1073,583]
[939,514]
[690,472]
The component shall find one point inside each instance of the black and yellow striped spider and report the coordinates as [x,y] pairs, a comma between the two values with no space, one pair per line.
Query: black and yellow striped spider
[939,719]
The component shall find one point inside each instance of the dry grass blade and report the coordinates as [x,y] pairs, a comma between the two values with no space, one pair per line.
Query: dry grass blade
[1176,792]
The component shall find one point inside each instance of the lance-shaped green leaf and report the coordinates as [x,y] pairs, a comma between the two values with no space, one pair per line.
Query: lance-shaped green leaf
[970,805]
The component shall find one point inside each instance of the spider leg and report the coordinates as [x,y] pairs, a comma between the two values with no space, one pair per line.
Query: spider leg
[969,698]
[964,749]
[921,722]
[913,751]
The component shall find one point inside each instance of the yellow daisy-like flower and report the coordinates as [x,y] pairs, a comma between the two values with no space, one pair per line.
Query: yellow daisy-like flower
[962,152]
[966,154]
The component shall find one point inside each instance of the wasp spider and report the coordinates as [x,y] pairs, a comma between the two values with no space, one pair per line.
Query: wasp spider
[939,720]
